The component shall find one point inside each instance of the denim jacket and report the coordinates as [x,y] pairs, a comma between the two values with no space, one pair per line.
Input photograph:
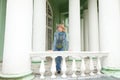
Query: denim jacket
[65,42]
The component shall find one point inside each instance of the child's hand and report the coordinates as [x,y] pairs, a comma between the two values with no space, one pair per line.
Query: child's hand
[70,50]
[50,50]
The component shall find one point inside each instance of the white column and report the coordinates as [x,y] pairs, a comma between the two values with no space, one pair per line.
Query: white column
[39,25]
[109,17]
[86,27]
[18,32]
[74,25]
[93,25]
[82,34]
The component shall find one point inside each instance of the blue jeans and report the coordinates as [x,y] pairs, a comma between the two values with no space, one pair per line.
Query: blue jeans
[58,60]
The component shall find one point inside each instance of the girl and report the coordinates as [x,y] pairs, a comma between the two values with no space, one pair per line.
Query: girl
[59,44]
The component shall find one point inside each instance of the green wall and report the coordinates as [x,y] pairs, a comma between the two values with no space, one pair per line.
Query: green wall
[2,25]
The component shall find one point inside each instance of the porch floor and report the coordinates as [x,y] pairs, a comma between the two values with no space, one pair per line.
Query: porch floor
[98,77]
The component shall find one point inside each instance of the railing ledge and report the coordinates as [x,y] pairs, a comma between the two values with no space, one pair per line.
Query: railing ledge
[70,53]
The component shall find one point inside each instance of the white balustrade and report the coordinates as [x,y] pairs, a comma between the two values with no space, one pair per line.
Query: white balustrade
[82,67]
[99,65]
[91,66]
[64,54]
[64,68]
[53,67]
[74,68]
[42,69]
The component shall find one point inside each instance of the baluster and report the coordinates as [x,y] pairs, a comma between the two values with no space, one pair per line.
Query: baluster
[42,69]
[99,65]
[53,67]
[64,67]
[82,67]
[91,66]
[74,68]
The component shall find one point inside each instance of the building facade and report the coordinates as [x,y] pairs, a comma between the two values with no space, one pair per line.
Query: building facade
[29,25]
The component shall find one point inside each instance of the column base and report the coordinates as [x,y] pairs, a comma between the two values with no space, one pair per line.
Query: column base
[111,71]
[24,76]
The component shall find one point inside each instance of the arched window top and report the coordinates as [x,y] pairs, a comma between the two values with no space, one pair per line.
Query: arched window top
[49,9]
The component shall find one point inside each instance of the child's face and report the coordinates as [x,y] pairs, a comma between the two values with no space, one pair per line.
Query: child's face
[60,29]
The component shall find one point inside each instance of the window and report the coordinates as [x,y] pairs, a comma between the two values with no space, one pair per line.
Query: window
[49,26]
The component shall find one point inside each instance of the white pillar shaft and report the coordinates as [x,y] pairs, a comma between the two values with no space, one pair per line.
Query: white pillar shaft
[86,24]
[93,25]
[109,17]
[74,25]
[39,25]
[16,59]
[82,34]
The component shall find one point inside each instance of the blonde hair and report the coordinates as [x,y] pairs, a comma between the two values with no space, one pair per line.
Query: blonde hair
[62,26]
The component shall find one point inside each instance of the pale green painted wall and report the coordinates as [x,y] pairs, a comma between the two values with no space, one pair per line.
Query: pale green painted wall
[2,25]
